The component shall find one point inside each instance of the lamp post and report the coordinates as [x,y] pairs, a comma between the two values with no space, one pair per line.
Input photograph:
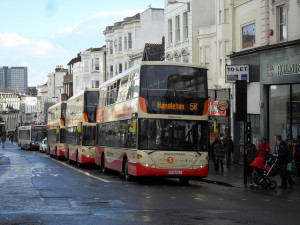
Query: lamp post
[175,2]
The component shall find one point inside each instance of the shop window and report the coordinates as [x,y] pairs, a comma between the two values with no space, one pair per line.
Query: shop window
[248,36]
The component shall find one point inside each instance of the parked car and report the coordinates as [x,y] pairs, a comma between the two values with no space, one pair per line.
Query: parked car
[43,145]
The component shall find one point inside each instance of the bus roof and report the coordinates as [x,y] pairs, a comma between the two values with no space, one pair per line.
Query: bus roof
[148,63]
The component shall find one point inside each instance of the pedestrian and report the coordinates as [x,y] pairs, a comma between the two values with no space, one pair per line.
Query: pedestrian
[282,154]
[297,154]
[219,154]
[212,148]
[251,155]
[263,148]
[3,139]
[229,149]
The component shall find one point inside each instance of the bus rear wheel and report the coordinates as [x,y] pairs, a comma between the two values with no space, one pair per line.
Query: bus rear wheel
[103,168]
[128,177]
[79,165]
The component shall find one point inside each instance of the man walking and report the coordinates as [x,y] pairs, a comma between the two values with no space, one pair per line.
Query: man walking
[281,151]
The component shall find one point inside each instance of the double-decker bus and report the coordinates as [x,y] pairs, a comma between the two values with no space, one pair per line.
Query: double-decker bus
[81,125]
[30,137]
[153,121]
[56,130]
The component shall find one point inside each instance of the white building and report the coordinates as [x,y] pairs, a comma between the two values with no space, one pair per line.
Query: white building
[9,110]
[88,69]
[125,40]
[182,22]
[28,110]
[42,98]
[55,84]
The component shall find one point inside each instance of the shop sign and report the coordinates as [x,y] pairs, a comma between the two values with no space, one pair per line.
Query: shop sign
[281,70]
[214,110]
[233,73]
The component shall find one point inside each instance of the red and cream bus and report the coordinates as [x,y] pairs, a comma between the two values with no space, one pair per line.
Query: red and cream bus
[81,125]
[153,121]
[56,130]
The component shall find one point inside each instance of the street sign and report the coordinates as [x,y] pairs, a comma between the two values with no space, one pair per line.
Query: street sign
[233,73]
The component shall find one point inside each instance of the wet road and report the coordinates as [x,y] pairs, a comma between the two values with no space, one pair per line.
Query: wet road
[36,189]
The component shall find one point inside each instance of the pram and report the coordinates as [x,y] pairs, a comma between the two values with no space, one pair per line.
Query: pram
[263,169]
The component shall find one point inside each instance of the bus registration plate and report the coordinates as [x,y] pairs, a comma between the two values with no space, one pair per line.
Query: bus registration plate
[174,172]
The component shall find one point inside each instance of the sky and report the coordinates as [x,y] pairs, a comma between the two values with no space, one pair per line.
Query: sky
[41,34]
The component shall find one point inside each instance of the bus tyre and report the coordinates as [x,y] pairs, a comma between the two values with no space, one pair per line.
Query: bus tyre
[79,165]
[128,177]
[57,157]
[68,158]
[184,180]
[103,169]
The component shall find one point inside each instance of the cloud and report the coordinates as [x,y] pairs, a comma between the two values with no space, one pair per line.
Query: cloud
[35,48]
[123,13]
[129,12]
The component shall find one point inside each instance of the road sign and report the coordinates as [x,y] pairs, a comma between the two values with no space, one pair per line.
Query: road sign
[233,73]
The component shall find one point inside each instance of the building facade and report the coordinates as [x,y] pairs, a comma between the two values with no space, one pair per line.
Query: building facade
[88,69]
[267,39]
[13,78]
[181,23]
[125,40]
[9,110]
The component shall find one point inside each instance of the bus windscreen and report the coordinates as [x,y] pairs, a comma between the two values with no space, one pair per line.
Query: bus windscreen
[164,134]
[174,89]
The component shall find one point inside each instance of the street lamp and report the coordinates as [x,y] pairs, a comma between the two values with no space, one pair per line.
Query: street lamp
[175,2]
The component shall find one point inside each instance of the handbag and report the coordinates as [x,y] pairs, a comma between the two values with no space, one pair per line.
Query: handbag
[289,167]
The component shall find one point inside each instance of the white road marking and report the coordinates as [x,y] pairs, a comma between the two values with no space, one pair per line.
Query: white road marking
[78,170]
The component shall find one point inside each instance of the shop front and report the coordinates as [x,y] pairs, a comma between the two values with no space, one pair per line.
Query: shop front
[281,80]
[219,113]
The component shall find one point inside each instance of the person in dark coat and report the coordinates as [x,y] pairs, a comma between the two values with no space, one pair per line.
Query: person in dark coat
[229,149]
[297,154]
[219,154]
[281,151]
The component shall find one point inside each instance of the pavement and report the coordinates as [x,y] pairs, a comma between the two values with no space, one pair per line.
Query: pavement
[235,177]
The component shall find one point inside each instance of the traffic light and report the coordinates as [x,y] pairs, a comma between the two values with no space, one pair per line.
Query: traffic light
[248,130]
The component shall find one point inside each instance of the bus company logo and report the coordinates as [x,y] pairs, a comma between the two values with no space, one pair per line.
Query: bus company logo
[193,106]
[222,105]
[170,159]
[171,105]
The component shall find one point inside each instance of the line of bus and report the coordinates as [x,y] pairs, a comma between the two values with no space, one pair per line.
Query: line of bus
[80,126]
[153,121]
[56,130]
[30,137]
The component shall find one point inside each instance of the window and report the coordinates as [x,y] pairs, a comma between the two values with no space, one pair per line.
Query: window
[120,67]
[111,71]
[86,66]
[177,21]
[120,44]
[116,45]
[170,31]
[111,48]
[125,41]
[282,23]
[129,40]
[248,36]
[186,25]
[97,64]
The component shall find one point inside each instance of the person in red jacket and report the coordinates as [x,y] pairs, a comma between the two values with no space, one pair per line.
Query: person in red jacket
[263,148]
